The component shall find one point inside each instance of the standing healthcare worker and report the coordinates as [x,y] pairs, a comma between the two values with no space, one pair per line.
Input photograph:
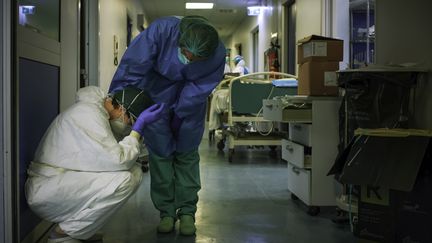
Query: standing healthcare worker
[81,174]
[178,61]
[240,65]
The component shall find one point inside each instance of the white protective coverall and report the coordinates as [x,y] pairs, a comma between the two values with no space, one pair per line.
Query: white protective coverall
[227,68]
[219,104]
[80,174]
[240,68]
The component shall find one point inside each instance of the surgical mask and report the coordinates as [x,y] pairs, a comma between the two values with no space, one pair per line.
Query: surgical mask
[182,58]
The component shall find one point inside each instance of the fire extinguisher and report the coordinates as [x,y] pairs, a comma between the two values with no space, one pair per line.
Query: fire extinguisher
[272,59]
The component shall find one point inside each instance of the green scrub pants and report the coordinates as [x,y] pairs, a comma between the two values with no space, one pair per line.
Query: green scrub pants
[175,182]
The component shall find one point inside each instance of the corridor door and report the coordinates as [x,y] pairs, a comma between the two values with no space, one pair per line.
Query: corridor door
[47,80]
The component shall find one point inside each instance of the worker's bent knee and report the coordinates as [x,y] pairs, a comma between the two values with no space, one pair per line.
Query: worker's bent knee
[131,180]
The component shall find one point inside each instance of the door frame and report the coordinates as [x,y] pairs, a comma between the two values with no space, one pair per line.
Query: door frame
[255,49]
[89,43]
[289,44]
[8,201]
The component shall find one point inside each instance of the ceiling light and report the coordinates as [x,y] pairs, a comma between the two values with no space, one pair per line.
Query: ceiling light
[27,9]
[253,10]
[199,5]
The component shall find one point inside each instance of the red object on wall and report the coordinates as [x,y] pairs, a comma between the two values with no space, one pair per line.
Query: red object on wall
[272,60]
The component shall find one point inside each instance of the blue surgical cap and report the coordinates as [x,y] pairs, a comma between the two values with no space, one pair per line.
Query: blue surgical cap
[237,59]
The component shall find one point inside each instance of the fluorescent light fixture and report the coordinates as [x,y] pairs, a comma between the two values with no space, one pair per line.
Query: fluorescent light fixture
[253,10]
[27,9]
[199,5]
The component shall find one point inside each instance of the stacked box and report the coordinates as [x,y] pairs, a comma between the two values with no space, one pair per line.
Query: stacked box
[319,59]
[393,169]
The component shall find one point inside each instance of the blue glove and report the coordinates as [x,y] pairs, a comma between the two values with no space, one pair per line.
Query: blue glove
[149,115]
[175,124]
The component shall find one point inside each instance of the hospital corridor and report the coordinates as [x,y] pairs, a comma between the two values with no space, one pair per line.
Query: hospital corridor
[215,121]
[240,202]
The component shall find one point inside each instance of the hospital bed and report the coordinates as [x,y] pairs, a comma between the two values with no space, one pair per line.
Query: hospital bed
[218,106]
[245,124]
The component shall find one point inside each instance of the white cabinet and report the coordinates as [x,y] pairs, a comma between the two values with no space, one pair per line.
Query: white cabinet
[311,146]
[299,183]
[276,110]
[296,154]
[300,133]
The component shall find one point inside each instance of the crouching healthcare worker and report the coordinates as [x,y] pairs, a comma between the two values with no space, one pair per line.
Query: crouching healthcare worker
[81,173]
[179,61]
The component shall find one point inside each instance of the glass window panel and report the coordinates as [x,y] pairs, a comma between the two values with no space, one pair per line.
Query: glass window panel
[42,16]
[362,32]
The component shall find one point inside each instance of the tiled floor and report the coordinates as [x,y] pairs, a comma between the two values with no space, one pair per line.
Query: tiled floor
[243,201]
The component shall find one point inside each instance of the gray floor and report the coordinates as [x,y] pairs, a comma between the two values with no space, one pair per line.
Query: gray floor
[243,201]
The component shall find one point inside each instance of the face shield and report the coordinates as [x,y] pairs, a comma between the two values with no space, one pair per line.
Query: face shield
[121,126]
[132,101]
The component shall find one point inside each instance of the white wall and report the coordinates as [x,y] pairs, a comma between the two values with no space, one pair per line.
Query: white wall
[318,17]
[112,19]
[403,31]
[404,35]
[341,28]
[309,19]
[243,36]
[267,22]
[134,7]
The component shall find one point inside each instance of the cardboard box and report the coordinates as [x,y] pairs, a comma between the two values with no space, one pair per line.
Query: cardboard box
[394,169]
[386,215]
[376,215]
[318,78]
[414,208]
[319,48]
[413,227]
[380,161]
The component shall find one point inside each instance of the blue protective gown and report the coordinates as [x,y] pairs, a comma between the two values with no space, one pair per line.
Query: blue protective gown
[151,63]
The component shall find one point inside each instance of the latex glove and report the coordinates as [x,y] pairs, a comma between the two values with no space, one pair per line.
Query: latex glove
[176,124]
[149,115]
